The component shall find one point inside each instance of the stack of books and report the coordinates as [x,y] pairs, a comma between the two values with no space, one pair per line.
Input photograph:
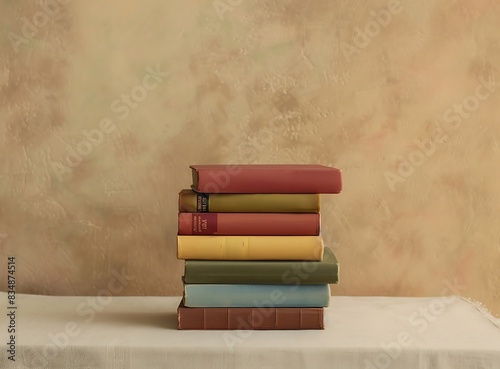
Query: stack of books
[254,256]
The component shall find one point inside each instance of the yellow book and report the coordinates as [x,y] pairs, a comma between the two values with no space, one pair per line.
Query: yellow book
[250,247]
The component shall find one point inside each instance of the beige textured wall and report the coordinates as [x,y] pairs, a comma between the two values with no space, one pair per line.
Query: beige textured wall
[158,85]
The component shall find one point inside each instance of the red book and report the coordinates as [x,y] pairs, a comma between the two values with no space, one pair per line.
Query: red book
[267,318]
[259,224]
[266,178]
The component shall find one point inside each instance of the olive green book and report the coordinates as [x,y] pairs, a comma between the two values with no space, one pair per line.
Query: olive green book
[196,202]
[263,272]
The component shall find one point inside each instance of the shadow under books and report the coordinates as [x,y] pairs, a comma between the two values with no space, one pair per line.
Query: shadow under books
[167,320]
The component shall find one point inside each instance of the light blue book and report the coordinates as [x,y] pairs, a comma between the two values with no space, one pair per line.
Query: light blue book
[256,295]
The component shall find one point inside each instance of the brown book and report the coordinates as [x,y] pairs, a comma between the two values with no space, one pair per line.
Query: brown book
[195,202]
[264,224]
[266,178]
[258,318]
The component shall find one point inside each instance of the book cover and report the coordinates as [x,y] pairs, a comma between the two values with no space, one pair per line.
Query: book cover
[266,178]
[196,202]
[257,224]
[250,247]
[263,272]
[268,318]
[256,295]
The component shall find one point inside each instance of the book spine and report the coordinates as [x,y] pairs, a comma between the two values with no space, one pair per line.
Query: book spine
[250,247]
[263,272]
[266,224]
[256,295]
[194,202]
[250,318]
[279,180]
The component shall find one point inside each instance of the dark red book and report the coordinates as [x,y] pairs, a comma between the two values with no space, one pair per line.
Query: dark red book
[258,224]
[267,318]
[266,178]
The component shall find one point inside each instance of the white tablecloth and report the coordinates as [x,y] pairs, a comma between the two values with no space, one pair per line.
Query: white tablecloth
[141,332]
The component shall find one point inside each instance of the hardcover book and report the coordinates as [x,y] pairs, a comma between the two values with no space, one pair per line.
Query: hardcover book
[266,178]
[195,202]
[250,247]
[256,295]
[237,224]
[268,318]
[263,272]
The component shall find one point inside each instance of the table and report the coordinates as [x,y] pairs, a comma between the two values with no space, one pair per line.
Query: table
[141,332]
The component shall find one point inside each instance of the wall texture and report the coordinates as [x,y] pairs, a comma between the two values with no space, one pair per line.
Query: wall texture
[104,106]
